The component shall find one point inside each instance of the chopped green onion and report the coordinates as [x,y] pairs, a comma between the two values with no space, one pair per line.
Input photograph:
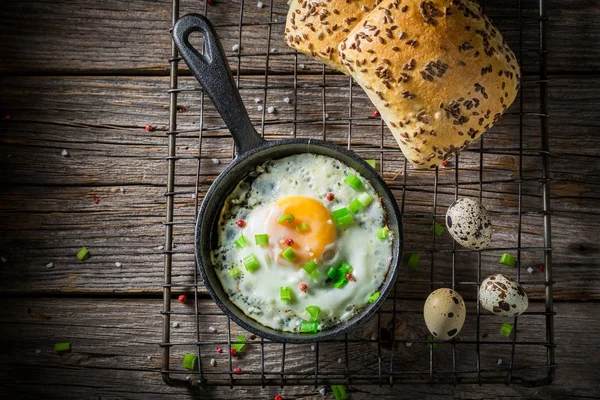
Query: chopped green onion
[289,254]
[345,268]
[353,181]
[239,346]
[241,241]
[382,233]
[438,229]
[508,260]
[302,227]
[250,262]
[315,275]
[413,260]
[190,361]
[285,293]
[372,162]
[373,298]
[506,329]
[289,218]
[313,311]
[235,272]
[62,347]
[355,205]
[261,239]
[341,283]
[306,326]
[333,273]
[339,392]
[365,199]
[343,216]
[310,266]
[435,341]
[83,254]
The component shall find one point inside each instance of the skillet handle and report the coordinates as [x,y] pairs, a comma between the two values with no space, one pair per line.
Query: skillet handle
[213,73]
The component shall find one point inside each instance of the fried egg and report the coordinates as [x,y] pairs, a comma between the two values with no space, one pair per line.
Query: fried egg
[283,248]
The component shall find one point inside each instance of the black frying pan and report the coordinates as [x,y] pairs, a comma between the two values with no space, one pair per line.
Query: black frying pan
[213,73]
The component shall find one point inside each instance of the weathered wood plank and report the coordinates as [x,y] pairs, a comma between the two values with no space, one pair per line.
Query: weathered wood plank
[69,37]
[115,351]
[48,208]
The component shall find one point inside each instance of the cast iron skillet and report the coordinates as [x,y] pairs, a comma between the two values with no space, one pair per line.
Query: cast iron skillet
[213,73]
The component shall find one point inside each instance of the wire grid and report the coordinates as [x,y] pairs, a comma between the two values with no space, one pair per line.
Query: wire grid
[384,352]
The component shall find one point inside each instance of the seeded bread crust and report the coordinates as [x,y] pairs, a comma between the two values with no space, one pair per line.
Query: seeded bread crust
[438,71]
[316,27]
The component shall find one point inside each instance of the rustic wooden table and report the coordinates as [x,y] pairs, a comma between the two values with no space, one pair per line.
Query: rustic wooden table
[89,76]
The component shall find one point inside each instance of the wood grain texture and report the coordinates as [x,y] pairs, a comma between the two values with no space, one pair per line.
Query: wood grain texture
[73,37]
[49,212]
[115,353]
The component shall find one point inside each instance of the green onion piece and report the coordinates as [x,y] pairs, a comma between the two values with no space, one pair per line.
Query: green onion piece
[313,311]
[372,162]
[190,361]
[339,392]
[261,239]
[413,260]
[333,273]
[365,199]
[435,343]
[345,268]
[239,346]
[508,260]
[62,347]
[302,227]
[438,229]
[341,283]
[289,254]
[289,218]
[250,262]
[285,293]
[310,266]
[355,205]
[382,233]
[373,298]
[343,216]
[315,275]
[353,181]
[83,254]
[506,329]
[306,326]
[235,272]
[241,241]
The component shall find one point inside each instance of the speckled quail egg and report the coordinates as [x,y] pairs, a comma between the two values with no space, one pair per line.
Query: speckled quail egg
[501,295]
[444,313]
[469,223]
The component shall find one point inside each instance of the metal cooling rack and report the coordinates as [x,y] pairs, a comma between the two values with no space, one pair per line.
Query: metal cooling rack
[386,358]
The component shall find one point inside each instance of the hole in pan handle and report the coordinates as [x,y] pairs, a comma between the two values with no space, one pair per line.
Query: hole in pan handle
[213,73]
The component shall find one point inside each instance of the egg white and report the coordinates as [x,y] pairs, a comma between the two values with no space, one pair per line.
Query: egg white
[254,201]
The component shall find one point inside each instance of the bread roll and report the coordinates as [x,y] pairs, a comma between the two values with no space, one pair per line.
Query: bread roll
[438,71]
[316,28]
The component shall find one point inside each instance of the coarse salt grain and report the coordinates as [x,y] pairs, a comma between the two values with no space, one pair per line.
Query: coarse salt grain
[212,362]
[530,270]
[235,47]
[160,247]
[312,347]
[215,161]
[408,344]
[260,4]
[122,189]
[64,153]
[118,264]
[38,352]
[2,259]
[259,108]
[257,100]
[149,357]
[50,265]
[273,50]
[499,361]
[271,110]
[339,360]
[329,221]
[326,116]
[175,324]
[286,100]
[212,329]
[302,66]
[322,391]
[193,195]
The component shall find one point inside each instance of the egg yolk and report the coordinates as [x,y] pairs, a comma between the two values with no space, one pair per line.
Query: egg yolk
[311,243]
